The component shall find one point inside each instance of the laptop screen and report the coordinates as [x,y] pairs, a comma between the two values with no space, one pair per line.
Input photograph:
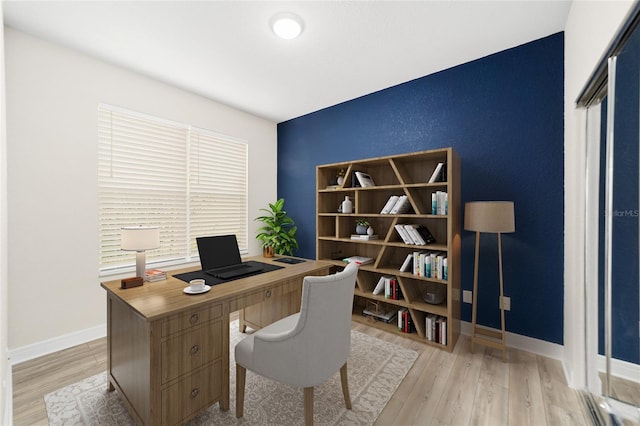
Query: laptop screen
[218,251]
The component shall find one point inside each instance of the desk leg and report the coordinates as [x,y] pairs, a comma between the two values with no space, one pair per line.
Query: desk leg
[242,325]
[224,402]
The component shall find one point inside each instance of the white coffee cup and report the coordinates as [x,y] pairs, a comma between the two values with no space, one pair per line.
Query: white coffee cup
[197,285]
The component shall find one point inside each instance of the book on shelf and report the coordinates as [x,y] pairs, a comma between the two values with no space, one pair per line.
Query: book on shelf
[392,289]
[358,260]
[364,237]
[415,234]
[401,206]
[405,322]
[379,288]
[436,328]
[420,234]
[430,265]
[439,173]
[364,179]
[389,204]
[153,275]
[386,315]
[407,262]
[439,203]
[403,234]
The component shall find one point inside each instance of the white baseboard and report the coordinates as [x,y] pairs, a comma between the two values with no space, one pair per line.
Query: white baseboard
[529,344]
[25,353]
[8,400]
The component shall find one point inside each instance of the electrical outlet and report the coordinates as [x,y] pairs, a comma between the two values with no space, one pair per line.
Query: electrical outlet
[506,303]
[467,296]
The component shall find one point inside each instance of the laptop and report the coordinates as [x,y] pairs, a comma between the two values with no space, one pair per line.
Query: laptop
[220,257]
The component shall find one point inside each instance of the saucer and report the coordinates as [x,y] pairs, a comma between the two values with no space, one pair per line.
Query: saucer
[204,290]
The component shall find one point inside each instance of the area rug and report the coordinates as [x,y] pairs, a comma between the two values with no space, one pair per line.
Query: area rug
[375,369]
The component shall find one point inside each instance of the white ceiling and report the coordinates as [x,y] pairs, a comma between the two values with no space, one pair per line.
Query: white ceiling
[225,50]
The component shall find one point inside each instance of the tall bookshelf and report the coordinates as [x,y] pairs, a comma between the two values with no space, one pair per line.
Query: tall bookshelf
[405,174]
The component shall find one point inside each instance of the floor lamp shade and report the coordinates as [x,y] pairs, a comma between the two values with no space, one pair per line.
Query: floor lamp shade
[489,216]
[139,239]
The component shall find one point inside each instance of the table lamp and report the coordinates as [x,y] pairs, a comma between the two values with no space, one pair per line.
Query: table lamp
[496,217]
[139,239]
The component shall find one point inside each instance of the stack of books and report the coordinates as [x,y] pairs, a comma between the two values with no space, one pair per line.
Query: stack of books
[153,275]
[363,237]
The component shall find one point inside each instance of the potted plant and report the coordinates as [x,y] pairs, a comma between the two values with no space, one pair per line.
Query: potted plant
[362,225]
[278,233]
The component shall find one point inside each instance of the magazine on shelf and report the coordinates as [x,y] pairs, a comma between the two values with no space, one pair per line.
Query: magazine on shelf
[358,260]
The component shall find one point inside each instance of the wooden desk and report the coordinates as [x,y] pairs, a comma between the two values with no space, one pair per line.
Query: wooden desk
[168,352]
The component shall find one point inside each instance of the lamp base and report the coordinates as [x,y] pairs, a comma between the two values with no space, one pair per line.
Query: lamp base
[140,264]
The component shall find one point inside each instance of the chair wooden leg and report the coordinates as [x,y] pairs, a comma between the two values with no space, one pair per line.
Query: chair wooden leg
[241,374]
[345,386]
[308,406]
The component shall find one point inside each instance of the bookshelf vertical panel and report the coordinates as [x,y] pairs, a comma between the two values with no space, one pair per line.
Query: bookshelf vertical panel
[397,175]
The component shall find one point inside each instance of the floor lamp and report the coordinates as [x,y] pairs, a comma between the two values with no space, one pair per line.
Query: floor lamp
[496,217]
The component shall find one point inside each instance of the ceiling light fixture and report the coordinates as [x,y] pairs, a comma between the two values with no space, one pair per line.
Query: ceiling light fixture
[286,25]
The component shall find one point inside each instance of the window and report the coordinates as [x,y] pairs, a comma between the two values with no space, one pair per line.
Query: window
[189,182]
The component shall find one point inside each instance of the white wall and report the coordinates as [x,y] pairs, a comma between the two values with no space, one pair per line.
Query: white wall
[52,98]
[590,27]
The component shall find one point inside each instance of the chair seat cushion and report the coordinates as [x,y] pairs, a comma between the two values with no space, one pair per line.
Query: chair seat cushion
[244,349]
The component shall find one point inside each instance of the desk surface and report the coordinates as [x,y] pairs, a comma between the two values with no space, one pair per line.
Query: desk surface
[161,298]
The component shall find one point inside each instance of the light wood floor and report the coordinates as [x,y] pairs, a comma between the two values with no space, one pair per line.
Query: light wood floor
[458,388]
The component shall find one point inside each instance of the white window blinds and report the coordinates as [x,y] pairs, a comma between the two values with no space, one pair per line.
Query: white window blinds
[189,182]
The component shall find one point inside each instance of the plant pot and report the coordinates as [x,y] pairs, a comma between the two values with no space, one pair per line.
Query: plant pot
[267,251]
[361,229]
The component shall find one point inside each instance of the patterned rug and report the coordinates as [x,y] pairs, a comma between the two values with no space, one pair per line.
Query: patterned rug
[375,368]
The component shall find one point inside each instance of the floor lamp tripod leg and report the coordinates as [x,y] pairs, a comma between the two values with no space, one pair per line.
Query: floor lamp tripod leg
[504,347]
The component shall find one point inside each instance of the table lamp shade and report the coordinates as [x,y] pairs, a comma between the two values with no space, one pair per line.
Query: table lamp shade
[489,216]
[140,238]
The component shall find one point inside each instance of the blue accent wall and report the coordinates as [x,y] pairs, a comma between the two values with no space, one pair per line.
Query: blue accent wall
[503,114]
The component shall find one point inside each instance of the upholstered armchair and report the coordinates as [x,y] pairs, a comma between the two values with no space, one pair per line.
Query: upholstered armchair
[304,349]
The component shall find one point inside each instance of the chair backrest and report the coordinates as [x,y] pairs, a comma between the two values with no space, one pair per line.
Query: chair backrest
[325,317]
[320,341]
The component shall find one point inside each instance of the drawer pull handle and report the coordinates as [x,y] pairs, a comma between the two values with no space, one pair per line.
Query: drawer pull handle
[194,349]
[194,318]
[194,393]
[268,293]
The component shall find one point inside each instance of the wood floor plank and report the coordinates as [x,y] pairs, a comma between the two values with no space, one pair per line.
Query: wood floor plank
[490,405]
[456,402]
[457,388]
[526,406]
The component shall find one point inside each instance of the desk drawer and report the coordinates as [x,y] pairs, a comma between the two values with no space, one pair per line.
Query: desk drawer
[182,353]
[188,396]
[187,320]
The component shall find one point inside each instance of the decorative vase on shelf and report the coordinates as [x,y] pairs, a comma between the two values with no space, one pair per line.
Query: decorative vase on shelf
[361,229]
[370,231]
[347,205]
